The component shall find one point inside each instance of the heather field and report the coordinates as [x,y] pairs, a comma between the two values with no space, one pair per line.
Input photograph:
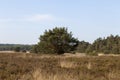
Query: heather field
[21,66]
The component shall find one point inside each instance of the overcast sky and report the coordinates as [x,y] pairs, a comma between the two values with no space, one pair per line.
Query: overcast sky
[23,21]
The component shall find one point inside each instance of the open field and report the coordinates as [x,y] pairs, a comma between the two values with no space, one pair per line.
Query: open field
[20,66]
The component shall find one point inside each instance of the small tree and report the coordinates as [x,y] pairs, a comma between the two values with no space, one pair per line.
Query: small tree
[82,46]
[57,40]
[17,49]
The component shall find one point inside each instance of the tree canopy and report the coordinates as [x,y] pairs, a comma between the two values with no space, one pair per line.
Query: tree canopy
[82,46]
[58,40]
[11,47]
[110,44]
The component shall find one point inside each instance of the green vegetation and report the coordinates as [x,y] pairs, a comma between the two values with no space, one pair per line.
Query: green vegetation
[108,45]
[82,46]
[57,40]
[17,49]
[12,47]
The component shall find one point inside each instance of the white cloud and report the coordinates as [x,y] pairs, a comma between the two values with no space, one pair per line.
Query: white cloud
[41,17]
[32,18]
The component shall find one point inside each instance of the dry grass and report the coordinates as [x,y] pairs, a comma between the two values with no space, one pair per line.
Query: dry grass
[19,66]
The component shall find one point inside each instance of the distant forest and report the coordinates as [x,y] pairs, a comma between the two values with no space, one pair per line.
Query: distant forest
[106,45]
[12,47]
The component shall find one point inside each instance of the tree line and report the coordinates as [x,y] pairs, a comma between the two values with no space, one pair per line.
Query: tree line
[59,40]
[110,44]
[15,47]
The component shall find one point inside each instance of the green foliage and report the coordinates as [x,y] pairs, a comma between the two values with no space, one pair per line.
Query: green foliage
[82,46]
[11,47]
[35,49]
[17,49]
[57,40]
[108,45]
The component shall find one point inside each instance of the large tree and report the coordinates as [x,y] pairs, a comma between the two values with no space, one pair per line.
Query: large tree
[57,40]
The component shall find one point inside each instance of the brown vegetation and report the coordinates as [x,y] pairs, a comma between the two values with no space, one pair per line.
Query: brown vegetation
[19,66]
